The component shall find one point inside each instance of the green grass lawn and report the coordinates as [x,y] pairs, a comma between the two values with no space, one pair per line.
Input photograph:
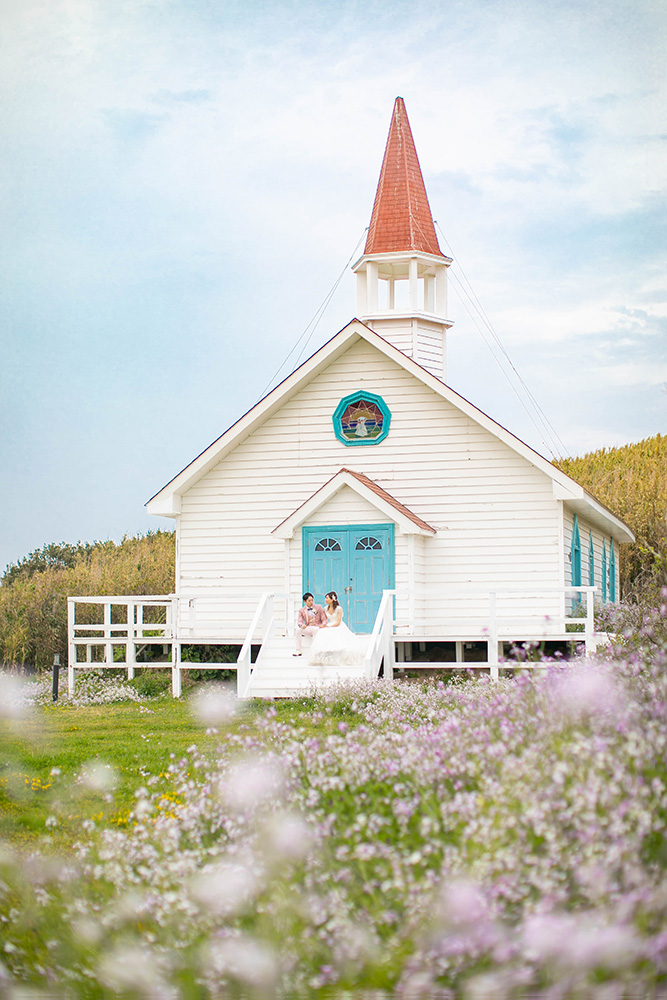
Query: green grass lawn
[137,740]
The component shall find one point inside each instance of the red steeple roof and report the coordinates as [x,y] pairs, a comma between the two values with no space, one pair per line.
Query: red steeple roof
[401,218]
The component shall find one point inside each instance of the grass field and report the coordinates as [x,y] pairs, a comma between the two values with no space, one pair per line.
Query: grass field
[137,741]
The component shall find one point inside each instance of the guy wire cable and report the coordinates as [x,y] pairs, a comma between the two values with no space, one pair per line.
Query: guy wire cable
[314,322]
[541,424]
[480,309]
[540,430]
[547,428]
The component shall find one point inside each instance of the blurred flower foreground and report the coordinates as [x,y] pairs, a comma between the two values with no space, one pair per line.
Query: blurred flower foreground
[402,840]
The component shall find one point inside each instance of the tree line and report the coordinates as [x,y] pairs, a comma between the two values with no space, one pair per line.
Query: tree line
[34,591]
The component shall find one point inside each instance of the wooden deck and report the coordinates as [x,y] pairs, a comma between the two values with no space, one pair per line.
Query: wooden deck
[125,632]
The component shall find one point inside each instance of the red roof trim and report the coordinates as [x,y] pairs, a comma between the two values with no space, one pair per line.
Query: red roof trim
[378,490]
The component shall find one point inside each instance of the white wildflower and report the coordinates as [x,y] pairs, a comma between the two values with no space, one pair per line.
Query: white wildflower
[131,967]
[587,690]
[225,888]
[463,903]
[96,776]
[87,930]
[15,697]
[215,706]
[488,986]
[250,783]
[243,958]
[289,836]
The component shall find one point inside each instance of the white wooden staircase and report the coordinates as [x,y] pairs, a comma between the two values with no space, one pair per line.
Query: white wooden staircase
[277,673]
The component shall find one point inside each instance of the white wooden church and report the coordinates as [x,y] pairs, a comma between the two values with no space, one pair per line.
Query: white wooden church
[434,524]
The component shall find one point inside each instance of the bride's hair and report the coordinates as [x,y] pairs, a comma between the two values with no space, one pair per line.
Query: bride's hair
[334,598]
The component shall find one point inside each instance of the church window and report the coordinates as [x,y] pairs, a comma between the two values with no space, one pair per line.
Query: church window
[361,419]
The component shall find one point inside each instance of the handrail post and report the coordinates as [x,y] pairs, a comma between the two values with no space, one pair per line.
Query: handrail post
[242,673]
[264,616]
[389,651]
[176,669]
[71,645]
[589,628]
[108,646]
[268,617]
[130,647]
[382,639]
[173,618]
[492,641]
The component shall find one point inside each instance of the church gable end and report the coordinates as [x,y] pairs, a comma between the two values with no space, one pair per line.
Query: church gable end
[436,460]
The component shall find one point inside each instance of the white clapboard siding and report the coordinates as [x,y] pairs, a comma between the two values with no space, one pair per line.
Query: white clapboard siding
[346,507]
[495,517]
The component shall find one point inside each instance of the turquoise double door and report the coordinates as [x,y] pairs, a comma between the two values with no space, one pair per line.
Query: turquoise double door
[357,561]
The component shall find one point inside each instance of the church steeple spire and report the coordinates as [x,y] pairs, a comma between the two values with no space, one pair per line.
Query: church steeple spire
[402,276]
[401,218]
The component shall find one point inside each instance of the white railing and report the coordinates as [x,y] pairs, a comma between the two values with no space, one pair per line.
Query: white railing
[263,615]
[381,645]
[104,639]
[220,615]
[530,627]
[175,620]
[503,628]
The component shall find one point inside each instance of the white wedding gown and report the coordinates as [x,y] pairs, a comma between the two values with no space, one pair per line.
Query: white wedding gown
[337,646]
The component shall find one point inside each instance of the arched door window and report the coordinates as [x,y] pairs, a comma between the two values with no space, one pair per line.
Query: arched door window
[368,542]
[328,545]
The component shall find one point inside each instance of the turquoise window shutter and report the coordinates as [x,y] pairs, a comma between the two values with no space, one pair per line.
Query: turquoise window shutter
[612,572]
[591,560]
[575,554]
[604,570]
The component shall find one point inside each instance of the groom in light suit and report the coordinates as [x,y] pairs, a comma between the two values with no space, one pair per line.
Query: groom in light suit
[311,618]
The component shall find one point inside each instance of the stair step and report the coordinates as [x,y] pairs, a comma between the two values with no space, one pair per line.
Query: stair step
[277,673]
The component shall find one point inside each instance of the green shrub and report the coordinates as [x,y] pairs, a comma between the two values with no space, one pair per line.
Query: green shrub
[152,683]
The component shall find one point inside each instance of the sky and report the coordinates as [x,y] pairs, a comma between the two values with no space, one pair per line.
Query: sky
[184,181]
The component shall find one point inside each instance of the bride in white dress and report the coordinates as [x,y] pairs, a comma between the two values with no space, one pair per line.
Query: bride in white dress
[334,644]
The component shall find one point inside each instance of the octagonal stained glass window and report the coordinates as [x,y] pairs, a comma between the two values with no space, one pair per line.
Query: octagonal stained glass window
[361,418]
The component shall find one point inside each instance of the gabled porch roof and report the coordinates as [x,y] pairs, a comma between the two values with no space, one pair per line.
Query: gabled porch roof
[409,522]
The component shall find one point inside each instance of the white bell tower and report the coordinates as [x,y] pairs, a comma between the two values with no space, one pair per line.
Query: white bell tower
[402,275]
